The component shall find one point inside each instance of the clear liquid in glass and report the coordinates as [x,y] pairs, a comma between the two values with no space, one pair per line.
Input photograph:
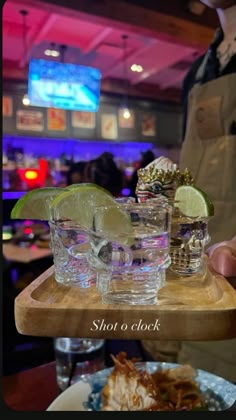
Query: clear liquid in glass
[77,357]
[130,273]
[187,243]
[70,247]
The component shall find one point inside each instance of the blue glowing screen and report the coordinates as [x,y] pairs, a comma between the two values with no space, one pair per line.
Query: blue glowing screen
[54,84]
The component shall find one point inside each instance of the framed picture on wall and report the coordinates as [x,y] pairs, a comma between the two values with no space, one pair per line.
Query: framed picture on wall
[56,119]
[148,125]
[126,122]
[83,119]
[109,126]
[29,120]
[7,106]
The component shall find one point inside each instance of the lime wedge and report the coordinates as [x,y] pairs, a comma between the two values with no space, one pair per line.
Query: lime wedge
[115,224]
[78,204]
[193,202]
[35,204]
[87,184]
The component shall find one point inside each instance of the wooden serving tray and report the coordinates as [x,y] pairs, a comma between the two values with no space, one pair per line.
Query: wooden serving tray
[199,307]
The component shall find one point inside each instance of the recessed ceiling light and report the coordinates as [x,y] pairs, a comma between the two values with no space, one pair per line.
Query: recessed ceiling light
[137,68]
[52,53]
[55,53]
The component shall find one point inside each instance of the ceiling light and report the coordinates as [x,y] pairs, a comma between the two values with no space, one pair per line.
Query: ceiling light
[25,100]
[55,53]
[125,110]
[126,113]
[52,53]
[137,68]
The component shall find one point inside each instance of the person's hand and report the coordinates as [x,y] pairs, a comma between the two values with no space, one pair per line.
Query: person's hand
[222,257]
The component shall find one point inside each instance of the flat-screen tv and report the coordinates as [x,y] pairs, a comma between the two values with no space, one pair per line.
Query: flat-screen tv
[54,84]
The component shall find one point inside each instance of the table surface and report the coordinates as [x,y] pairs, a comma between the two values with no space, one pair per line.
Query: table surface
[31,390]
[34,389]
[24,255]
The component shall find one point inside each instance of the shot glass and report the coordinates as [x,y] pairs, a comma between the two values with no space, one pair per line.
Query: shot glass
[189,237]
[129,251]
[76,357]
[70,245]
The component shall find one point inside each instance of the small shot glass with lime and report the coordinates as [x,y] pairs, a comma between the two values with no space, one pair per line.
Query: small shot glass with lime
[192,211]
[129,249]
[68,212]
[70,224]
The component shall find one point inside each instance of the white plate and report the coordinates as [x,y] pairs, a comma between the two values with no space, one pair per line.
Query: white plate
[84,395]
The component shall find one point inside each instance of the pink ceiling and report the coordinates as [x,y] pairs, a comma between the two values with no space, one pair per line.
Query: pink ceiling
[93,44]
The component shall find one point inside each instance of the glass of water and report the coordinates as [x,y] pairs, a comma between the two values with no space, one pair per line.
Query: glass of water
[70,245]
[76,357]
[129,247]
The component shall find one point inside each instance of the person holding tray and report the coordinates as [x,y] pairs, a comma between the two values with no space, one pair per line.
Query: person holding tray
[209,152]
[223,257]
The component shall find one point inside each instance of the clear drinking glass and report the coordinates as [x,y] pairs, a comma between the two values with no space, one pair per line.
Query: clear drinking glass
[129,246]
[70,245]
[188,238]
[76,357]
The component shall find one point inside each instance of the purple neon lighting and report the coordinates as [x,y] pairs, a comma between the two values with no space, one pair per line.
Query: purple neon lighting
[12,195]
[126,192]
[78,149]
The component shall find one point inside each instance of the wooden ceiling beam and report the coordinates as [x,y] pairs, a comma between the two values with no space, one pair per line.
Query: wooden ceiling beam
[175,80]
[125,16]
[97,40]
[11,70]
[129,56]
[165,62]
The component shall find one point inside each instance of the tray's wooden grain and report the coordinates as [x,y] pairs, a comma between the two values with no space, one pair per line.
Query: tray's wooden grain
[200,307]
